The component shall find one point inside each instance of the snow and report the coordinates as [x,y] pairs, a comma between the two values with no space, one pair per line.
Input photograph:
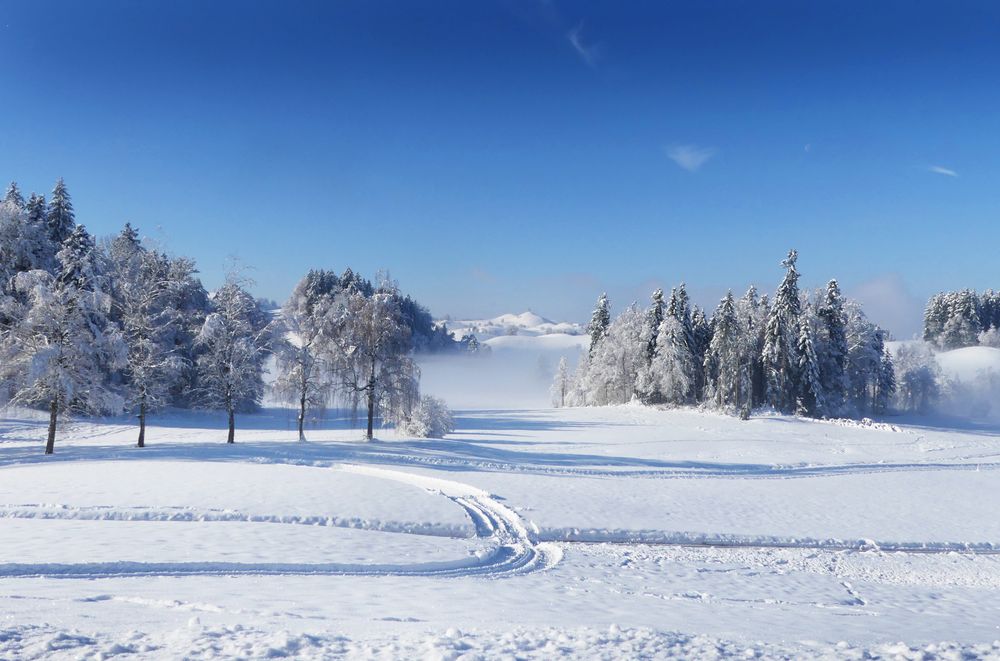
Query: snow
[616,532]
[969,363]
[523,324]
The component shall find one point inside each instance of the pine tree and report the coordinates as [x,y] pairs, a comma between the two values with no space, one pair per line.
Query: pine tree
[885,383]
[13,196]
[59,216]
[810,400]
[723,361]
[599,322]
[655,317]
[833,362]
[781,340]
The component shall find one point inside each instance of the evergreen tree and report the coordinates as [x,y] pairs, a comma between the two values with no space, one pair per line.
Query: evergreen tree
[833,362]
[13,196]
[810,400]
[59,216]
[723,361]
[599,322]
[781,340]
[655,317]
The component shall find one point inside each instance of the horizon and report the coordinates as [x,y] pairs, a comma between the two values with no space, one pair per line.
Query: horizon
[417,140]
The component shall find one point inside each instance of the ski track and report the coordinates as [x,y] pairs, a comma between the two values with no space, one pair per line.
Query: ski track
[515,549]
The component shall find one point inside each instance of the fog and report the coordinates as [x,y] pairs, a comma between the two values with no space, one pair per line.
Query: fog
[506,378]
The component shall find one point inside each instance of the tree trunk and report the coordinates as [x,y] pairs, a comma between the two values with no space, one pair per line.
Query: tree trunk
[302,417]
[232,427]
[50,444]
[371,402]
[142,423]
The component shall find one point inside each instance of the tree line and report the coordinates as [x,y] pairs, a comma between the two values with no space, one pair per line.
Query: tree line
[105,327]
[957,319]
[811,354]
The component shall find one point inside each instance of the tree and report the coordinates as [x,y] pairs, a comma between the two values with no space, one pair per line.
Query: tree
[303,371]
[781,340]
[919,377]
[810,400]
[654,315]
[833,359]
[600,319]
[13,196]
[673,365]
[140,296]
[373,354]
[724,359]
[59,216]
[561,384]
[235,339]
[58,350]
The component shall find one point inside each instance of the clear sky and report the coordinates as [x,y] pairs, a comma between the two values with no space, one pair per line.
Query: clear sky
[501,155]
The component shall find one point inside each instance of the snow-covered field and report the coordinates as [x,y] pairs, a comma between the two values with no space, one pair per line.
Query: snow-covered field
[619,532]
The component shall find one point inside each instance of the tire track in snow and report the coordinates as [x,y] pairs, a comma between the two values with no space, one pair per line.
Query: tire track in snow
[515,550]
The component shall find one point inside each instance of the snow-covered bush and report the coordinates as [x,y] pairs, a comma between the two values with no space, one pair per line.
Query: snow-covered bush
[430,418]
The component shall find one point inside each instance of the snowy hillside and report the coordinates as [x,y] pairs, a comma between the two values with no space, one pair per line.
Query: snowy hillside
[970,363]
[526,323]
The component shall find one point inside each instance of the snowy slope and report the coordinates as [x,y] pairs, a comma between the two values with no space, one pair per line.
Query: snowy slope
[525,323]
[970,363]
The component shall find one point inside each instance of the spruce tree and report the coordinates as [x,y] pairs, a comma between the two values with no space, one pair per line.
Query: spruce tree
[599,322]
[655,317]
[810,399]
[781,340]
[833,362]
[13,196]
[59,216]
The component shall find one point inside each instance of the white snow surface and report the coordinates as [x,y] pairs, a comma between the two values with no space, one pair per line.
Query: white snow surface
[970,363]
[622,532]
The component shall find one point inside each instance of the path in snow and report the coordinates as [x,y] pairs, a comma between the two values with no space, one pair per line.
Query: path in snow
[513,548]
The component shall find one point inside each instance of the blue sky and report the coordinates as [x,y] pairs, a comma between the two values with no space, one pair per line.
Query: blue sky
[496,156]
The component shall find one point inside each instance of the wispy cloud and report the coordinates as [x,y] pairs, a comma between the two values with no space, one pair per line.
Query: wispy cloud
[589,53]
[939,169]
[690,157]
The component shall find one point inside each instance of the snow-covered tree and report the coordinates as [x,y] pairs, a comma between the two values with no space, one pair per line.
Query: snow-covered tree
[724,363]
[140,295]
[619,358]
[781,340]
[673,366]
[59,216]
[599,322]
[13,196]
[235,340]
[59,352]
[654,315]
[430,418]
[561,384]
[919,377]
[302,355]
[833,354]
[811,398]
[373,355]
